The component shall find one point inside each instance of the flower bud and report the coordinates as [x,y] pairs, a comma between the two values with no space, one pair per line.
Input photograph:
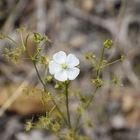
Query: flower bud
[122,57]
[38,38]
[49,78]
[98,82]
[2,37]
[108,43]
[57,86]
[41,38]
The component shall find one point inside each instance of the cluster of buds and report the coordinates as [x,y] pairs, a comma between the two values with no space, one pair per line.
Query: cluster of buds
[108,43]
[38,38]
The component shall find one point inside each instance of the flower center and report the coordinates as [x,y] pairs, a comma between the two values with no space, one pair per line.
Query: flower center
[64,66]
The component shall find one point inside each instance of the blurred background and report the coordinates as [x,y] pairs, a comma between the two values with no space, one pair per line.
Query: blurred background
[78,27]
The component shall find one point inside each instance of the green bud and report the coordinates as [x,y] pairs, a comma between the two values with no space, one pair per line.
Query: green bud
[2,37]
[41,38]
[122,57]
[92,56]
[116,79]
[89,124]
[87,57]
[108,43]
[49,78]
[57,86]
[38,38]
[98,82]
[21,29]
[80,110]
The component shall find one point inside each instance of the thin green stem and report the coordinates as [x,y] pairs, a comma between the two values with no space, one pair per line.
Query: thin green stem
[60,112]
[12,40]
[32,58]
[92,96]
[67,104]
[21,37]
[93,62]
[100,63]
[79,117]
[102,56]
[96,61]
[39,75]
[43,44]
[111,63]
[26,40]
[77,122]
[25,45]
[40,98]
[52,109]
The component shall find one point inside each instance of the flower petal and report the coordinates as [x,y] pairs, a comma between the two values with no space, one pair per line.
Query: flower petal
[72,60]
[60,57]
[61,76]
[54,67]
[72,73]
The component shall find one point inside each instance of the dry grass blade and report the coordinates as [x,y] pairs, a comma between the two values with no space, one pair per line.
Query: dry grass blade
[15,95]
[9,23]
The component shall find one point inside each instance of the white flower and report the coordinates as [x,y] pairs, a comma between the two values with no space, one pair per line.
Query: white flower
[63,67]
